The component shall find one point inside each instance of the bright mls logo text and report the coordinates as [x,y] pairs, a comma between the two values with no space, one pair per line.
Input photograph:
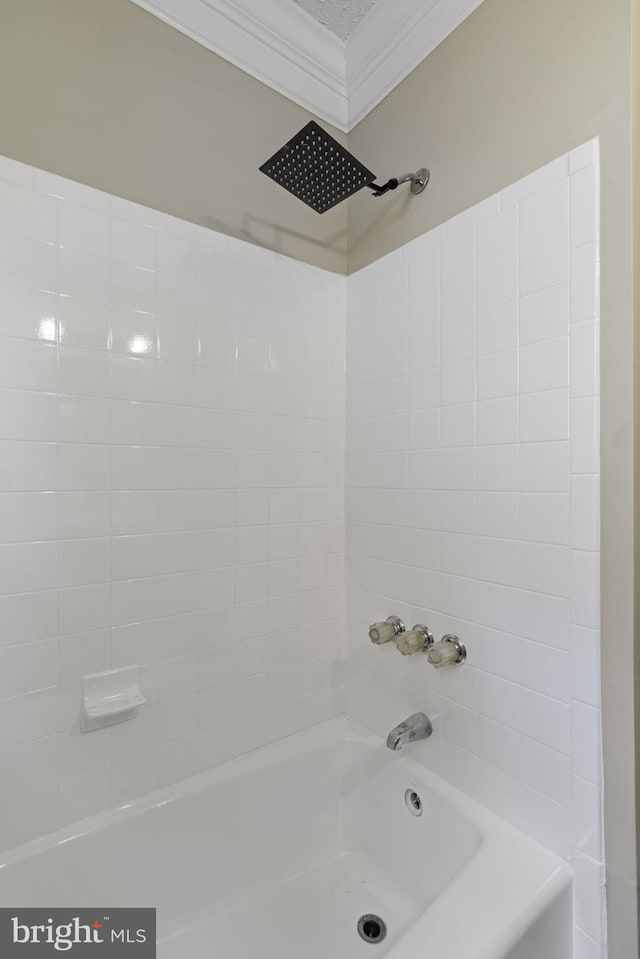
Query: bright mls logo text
[46,932]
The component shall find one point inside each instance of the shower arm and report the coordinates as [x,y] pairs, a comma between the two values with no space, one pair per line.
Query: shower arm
[417,180]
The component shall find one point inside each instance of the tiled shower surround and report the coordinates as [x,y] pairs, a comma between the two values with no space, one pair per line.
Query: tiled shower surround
[172,467]
[473,504]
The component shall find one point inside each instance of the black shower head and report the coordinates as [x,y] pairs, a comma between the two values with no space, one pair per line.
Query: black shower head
[317,169]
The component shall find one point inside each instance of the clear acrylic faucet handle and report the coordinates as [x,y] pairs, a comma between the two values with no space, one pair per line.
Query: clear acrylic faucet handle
[381,633]
[448,652]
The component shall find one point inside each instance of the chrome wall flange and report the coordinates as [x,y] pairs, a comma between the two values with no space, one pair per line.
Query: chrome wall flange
[420,180]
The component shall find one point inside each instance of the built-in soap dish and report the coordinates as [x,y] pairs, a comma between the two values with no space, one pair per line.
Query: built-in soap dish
[110,697]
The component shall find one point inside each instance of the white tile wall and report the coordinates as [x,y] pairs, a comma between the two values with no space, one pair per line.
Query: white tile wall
[473,504]
[172,457]
[171,494]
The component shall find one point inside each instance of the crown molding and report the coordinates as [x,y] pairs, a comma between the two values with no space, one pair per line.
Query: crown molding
[280,44]
[274,41]
[390,42]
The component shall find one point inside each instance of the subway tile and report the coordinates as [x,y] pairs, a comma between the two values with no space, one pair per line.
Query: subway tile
[28,263]
[585,435]
[26,567]
[545,569]
[544,264]
[83,419]
[498,607]
[497,236]
[545,619]
[133,601]
[546,720]
[585,360]
[587,817]
[83,229]
[497,560]
[28,416]
[499,654]
[585,512]
[497,282]
[586,745]
[499,700]
[546,770]
[27,667]
[585,283]
[535,182]
[499,792]
[544,315]
[83,561]
[500,745]
[589,896]
[497,468]
[585,660]
[28,214]
[584,206]
[133,557]
[546,670]
[458,298]
[25,817]
[545,518]
[585,593]
[133,378]
[497,328]
[27,767]
[81,654]
[177,636]
[84,373]
[547,821]
[544,213]
[28,617]
[83,609]
[133,287]
[28,313]
[28,365]
[457,384]
[28,717]
[497,421]
[497,514]
[133,243]
[83,276]
[498,375]
[584,155]
[544,467]
[458,340]
[544,365]
[134,333]
[25,517]
[544,416]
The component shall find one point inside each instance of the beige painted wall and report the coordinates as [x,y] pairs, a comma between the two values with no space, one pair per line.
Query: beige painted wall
[102,92]
[99,91]
[516,85]
[635,156]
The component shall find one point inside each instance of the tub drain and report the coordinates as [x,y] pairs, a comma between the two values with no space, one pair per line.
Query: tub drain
[371,928]
[413,801]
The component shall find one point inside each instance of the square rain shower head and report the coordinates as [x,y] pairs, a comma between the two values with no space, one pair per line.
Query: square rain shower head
[317,169]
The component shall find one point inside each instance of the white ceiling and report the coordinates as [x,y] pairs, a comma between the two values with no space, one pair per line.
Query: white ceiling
[342,17]
[280,44]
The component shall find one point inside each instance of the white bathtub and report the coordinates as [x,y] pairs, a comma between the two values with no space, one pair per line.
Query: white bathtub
[279,852]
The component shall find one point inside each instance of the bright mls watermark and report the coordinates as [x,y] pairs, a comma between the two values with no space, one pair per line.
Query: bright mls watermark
[97,932]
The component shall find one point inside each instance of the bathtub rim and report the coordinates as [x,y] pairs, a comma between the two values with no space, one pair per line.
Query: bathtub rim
[547,878]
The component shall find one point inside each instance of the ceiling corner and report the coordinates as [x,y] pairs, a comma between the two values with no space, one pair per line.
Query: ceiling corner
[279,43]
